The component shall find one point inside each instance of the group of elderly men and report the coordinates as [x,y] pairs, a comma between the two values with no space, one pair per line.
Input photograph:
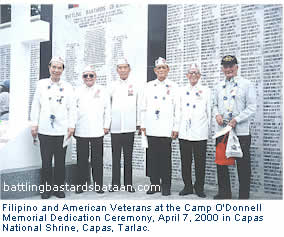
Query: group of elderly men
[162,111]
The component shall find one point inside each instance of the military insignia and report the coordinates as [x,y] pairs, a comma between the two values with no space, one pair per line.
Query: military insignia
[130,92]
[228,58]
[60,99]
[157,112]
[160,61]
[52,119]
[97,94]
[188,125]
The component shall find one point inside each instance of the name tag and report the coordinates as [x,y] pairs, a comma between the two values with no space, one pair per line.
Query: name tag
[130,93]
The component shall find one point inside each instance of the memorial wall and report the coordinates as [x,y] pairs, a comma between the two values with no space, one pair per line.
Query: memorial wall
[205,33]
[4,62]
[99,36]
[195,33]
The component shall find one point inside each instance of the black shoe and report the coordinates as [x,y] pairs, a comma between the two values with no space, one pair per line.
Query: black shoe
[222,196]
[59,194]
[79,190]
[186,190]
[100,191]
[46,195]
[130,189]
[166,192]
[153,189]
[114,188]
[201,194]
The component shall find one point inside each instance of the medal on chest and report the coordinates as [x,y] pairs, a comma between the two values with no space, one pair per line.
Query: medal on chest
[190,112]
[130,90]
[229,99]
[55,101]
[157,107]
[159,100]
[97,93]
[191,105]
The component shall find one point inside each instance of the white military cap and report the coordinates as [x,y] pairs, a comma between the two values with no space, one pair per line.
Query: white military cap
[89,68]
[57,59]
[122,61]
[193,66]
[160,61]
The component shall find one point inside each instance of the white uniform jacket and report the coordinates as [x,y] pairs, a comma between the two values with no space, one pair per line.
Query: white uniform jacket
[160,110]
[195,112]
[125,97]
[93,111]
[53,107]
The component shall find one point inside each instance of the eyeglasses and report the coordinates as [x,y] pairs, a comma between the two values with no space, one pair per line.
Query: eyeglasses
[228,66]
[161,67]
[195,73]
[88,75]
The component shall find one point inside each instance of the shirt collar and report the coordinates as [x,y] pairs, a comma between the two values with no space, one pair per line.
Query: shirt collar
[123,81]
[162,82]
[90,88]
[59,83]
[231,81]
[195,86]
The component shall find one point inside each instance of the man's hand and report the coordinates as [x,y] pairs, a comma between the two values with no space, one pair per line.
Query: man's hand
[174,134]
[106,131]
[70,132]
[233,123]
[34,131]
[143,130]
[219,119]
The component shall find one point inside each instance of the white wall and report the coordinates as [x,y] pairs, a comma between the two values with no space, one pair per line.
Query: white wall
[20,152]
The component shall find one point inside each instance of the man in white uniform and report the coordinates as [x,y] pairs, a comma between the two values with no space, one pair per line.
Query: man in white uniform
[193,132]
[124,123]
[93,121]
[53,116]
[160,122]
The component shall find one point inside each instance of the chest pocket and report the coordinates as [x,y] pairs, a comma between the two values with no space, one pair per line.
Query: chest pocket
[241,95]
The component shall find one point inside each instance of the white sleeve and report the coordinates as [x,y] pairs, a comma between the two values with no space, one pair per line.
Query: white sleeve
[36,107]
